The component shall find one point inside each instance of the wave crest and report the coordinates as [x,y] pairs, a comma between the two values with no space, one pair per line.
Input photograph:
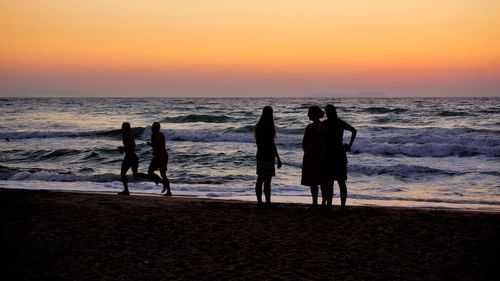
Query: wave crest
[382,110]
[193,118]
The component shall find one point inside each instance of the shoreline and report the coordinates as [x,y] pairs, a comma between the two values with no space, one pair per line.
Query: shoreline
[294,199]
[298,200]
[87,236]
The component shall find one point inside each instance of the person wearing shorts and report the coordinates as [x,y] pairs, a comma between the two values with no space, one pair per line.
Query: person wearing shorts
[130,160]
[160,159]
[335,158]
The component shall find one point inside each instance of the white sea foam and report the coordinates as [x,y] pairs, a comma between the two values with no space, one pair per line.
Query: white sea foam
[53,176]
[45,134]
[420,142]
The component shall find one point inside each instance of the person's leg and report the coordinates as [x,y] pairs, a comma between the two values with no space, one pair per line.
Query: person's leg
[258,189]
[343,193]
[124,179]
[123,176]
[135,167]
[154,177]
[329,193]
[166,183]
[314,194]
[267,189]
[323,194]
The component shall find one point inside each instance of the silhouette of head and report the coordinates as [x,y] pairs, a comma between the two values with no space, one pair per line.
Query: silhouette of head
[155,127]
[331,112]
[265,126]
[267,116]
[315,113]
[125,127]
[267,112]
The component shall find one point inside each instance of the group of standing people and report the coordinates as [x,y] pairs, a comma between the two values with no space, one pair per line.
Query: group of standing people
[324,161]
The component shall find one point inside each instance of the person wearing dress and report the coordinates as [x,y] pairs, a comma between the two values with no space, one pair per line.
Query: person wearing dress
[312,144]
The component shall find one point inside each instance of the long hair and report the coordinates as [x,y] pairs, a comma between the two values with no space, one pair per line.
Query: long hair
[265,127]
[331,112]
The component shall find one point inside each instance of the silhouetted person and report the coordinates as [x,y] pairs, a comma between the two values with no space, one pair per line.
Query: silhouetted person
[335,161]
[265,132]
[312,144]
[130,160]
[160,159]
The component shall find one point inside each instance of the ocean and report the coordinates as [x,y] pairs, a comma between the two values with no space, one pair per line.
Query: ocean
[426,152]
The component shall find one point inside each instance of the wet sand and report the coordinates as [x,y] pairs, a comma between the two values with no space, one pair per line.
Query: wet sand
[77,236]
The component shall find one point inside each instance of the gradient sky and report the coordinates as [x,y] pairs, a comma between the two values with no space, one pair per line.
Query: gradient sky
[250,48]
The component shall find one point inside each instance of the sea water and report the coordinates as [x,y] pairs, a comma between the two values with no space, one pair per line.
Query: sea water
[436,152]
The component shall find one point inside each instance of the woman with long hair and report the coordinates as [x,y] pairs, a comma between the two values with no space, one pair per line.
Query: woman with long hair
[265,133]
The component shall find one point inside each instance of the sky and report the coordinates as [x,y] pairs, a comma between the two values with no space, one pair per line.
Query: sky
[251,48]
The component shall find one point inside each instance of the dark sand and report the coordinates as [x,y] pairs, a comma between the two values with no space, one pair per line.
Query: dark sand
[74,236]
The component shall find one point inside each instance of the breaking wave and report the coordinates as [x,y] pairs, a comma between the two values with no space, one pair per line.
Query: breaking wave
[192,118]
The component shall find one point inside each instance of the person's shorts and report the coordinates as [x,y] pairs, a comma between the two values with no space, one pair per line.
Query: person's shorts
[130,161]
[158,163]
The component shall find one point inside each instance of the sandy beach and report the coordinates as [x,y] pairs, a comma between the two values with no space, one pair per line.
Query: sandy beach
[77,236]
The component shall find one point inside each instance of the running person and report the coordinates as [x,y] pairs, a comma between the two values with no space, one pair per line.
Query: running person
[130,160]
[160,159]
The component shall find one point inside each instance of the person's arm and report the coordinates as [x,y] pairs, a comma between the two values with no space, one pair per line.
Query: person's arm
[163,142]
[279,164]
[353,135]
[305,140]
[123,148]
[129,143]
[152,141]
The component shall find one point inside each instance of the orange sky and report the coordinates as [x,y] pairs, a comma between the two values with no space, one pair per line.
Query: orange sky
[243,47]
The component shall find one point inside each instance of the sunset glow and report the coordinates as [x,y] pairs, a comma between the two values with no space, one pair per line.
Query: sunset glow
[286,48]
